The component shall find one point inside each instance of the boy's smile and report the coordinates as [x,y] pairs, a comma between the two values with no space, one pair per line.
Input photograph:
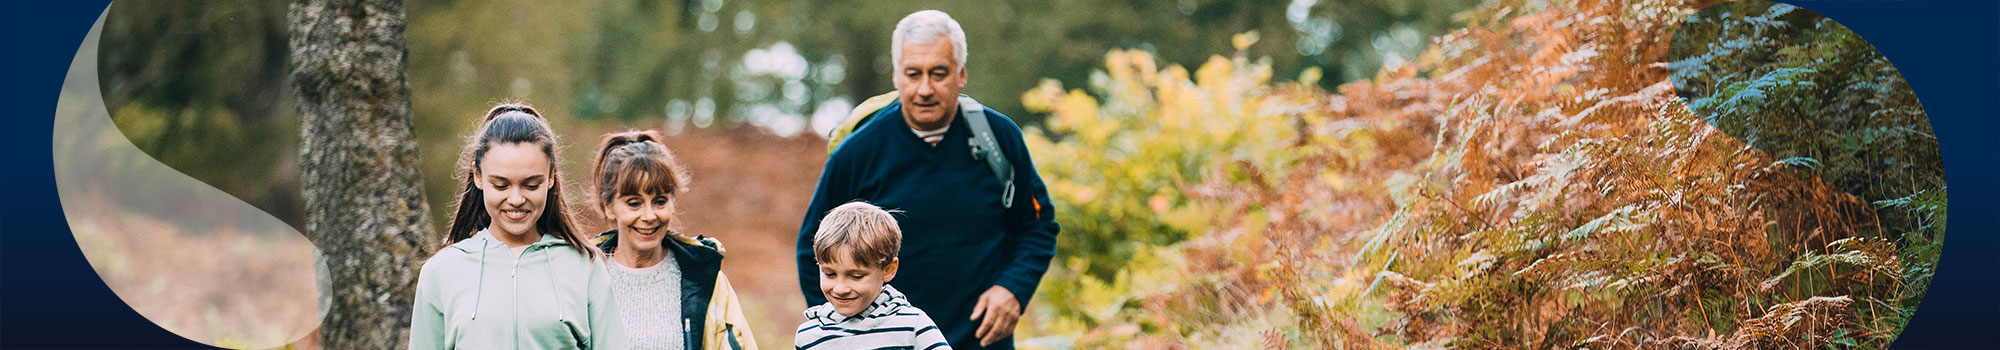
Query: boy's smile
[849,286]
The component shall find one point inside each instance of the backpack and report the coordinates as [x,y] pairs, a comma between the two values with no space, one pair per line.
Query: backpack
[984,146]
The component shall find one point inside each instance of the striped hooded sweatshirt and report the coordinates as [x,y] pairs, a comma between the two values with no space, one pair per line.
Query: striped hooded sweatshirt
[889,323]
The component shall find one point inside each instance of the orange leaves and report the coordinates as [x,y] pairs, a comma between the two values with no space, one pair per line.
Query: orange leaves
[1530,182]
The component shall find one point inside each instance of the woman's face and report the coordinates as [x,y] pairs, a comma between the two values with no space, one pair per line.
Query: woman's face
[515,180]
[641,218]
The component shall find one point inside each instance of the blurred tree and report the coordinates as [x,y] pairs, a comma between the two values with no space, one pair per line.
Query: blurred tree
[364,196]
[633,59]
[190,81]
[198,85]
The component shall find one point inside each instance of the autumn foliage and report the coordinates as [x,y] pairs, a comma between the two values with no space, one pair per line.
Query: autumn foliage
[1532,182]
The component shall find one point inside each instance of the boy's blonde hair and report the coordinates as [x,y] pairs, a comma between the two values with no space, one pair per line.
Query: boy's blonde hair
[868,232]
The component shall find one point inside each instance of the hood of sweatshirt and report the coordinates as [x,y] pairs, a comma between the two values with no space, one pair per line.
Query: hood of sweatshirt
[477,294]
[484,244]
[889,302]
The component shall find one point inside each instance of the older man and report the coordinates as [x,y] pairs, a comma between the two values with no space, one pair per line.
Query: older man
[977,233]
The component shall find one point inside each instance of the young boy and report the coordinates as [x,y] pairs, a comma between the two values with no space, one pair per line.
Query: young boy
[856,249]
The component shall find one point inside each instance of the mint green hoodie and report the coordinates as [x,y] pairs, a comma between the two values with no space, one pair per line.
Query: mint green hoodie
[476,295]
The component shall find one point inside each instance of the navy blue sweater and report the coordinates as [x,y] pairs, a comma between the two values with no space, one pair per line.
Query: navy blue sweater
[957,239]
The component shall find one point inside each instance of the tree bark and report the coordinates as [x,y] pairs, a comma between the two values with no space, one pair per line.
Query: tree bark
[364,198]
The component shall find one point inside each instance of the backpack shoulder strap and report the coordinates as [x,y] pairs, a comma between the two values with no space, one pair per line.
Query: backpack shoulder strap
[986,147]
[859,115]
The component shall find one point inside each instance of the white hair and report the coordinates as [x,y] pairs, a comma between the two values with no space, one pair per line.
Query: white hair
[923,28]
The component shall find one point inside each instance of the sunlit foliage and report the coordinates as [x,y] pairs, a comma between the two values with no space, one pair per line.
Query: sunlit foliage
[1532,181]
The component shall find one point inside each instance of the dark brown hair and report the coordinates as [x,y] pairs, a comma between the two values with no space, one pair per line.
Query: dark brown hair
[869,234]
[507,124]
[635,162]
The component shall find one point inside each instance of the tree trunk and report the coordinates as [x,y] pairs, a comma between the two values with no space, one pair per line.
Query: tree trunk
[364,199]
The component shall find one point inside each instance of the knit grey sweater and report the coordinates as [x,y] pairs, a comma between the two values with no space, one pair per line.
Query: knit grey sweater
[649,304]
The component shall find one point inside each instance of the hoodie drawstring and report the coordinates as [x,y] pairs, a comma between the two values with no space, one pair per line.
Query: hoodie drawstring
[479,290]
[548,262]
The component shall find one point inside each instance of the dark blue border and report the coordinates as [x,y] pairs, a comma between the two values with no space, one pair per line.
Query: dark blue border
[53,298]
[1949,51]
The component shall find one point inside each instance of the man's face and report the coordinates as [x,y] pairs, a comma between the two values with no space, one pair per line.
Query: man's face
[927,82]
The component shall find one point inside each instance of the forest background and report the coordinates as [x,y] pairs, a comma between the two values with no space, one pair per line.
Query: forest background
[1354,174]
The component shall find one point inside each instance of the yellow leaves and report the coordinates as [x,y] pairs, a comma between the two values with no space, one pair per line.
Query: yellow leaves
[1042,98]
[1156,127]
[1214,74]
[1132,162]
[1310,76]
[1192,218]
[1131,66]
[1175,74]
[1242,41]
[1078,111]
[1075,194]
[1260,73]
[1153,270]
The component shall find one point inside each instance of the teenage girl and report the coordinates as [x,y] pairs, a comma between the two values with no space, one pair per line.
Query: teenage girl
[514,274]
